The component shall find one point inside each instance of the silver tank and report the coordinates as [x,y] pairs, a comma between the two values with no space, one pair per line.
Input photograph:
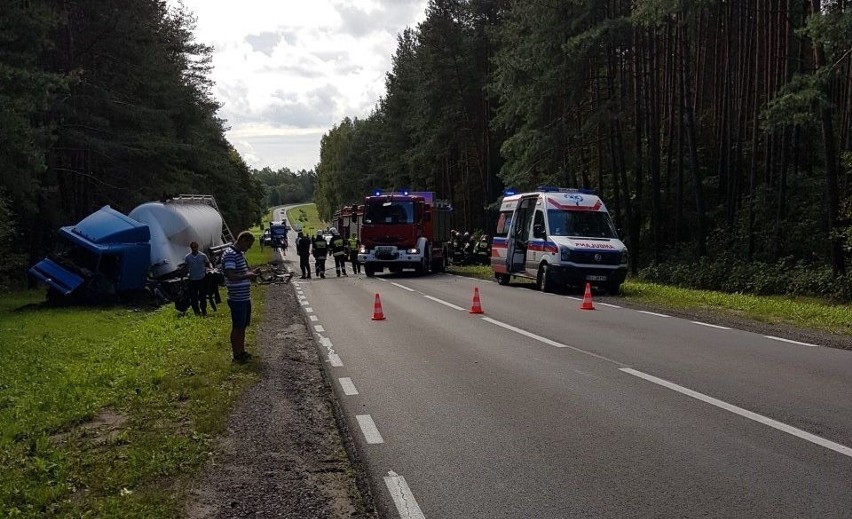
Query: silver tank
[173,227]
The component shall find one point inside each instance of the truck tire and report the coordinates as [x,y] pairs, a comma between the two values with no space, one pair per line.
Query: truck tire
[369,270]
[613,288]
[440,264]
[544,280]
[502,279]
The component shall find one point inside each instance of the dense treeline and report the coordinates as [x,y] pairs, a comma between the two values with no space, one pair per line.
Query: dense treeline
[107,102]
[283,186]
[717,132]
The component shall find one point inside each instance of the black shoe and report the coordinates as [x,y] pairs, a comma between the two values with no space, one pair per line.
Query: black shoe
[322,276]
[242,358]
[338,273]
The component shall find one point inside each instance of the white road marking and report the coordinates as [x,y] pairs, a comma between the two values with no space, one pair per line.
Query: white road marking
[319,328]
[445,303]
[653,313]
[403,287]
[304,302]
[711,325]
[791,341]
[326,342]
[348,386]
[609,305]
[335,361]
[575,298]
[309,310]
[313,318]
[404,500]
[368,427]
[550,342]
[828,444]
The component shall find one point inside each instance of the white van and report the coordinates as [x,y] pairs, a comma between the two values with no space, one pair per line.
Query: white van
[558,237]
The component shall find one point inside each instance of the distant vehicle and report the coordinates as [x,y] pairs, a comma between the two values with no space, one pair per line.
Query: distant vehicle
[558,237]
[278,232]
[297,227]
[266,238]
[404,230]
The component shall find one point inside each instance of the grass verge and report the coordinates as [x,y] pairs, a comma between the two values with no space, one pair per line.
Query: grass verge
[110,412]
[306,216]
[801,312]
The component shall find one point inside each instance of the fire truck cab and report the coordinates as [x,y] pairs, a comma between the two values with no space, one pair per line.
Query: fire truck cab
[559,237]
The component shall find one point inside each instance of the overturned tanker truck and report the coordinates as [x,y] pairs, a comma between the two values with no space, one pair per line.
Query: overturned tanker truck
[109,256]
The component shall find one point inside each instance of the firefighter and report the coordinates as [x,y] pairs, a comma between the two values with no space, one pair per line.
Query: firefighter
[320,250]
[354,245]
[482,253]
[303,249]
[338,250]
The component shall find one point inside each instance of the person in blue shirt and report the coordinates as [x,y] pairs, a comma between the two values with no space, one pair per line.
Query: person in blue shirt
[197,264]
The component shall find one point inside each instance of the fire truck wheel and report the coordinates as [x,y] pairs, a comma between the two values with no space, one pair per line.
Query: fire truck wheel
[369,271]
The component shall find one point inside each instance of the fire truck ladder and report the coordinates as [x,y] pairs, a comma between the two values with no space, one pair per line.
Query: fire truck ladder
[227,235]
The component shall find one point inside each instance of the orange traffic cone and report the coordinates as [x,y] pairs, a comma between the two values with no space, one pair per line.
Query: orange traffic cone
[378,315]
[476,307]
[587,299]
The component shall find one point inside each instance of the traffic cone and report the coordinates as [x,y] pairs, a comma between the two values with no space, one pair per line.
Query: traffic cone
[378,315]
[476,307]
[587,299]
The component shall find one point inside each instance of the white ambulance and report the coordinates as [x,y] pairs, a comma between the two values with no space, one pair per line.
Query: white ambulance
[559,237]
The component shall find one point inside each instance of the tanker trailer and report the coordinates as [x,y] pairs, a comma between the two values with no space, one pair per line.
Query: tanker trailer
[108,255]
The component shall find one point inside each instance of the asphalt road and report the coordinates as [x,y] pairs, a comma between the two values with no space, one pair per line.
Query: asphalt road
[538,409]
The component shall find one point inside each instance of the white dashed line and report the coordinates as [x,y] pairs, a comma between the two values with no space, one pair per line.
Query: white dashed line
[828,444]
[403,287]
[304,302]
[792,341]
[710,325]
[653,313]
[444,303]
[368,427]
[334,360]
[319,328]
[313,318]
[309,310]
[348,386]
[404,500]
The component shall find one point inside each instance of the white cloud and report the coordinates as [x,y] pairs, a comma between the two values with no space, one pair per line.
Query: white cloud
[287,71]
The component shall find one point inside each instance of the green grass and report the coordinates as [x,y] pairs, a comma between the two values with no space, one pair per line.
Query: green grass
[801,312]
[307,216]
[167,378]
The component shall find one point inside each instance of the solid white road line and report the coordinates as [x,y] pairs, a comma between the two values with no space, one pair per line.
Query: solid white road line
[550,342]
[828,444]
[653,313]
[711,325]
[609,305]
[319,328]
[403,287]
[404,500]
[368,427]
[348,386]
[334,360]
[791,341]
[445,303]
[313,318]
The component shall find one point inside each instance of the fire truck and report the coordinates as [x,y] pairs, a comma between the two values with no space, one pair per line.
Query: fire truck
[404,230]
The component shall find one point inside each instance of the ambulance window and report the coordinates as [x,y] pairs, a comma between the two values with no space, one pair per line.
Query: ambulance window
[503,224]
[538,226]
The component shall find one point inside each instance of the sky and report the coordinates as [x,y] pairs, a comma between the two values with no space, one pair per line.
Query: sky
[287,71]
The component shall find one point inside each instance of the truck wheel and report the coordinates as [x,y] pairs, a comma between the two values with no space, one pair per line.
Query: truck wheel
[544,280]
[613,288]
[502,279]
[369,271]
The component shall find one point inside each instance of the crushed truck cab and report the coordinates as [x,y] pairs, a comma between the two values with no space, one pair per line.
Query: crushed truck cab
[558,237]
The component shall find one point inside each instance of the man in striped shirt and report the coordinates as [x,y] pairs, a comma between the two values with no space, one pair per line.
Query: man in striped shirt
[238,279]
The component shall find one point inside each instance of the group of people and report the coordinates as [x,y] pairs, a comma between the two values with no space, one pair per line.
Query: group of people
[467,250]
[340,249]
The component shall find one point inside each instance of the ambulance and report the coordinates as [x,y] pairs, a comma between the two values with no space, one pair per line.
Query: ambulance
[559,237]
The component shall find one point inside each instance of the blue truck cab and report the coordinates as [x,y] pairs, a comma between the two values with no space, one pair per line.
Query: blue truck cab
[106,250]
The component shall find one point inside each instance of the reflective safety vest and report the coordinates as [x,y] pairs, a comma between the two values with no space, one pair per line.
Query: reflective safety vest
[353,244]
[337,245]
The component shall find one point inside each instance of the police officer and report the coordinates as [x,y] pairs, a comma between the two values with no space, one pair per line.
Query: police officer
[354,245]
[303,249]
[320,251]
[338,246]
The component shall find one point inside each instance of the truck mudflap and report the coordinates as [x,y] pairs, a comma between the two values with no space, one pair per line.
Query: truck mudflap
[56,277]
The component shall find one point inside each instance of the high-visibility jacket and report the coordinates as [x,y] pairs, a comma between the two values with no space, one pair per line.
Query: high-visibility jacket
[337,244]
[353,244]
[320,247]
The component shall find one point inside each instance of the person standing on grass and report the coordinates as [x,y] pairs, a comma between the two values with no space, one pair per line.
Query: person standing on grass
[238,279]
[197,264]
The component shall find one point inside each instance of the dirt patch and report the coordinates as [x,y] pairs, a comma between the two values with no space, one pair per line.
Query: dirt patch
[102,428]
[283,454]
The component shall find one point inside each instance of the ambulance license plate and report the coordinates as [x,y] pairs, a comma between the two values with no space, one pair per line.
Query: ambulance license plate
[595,278]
